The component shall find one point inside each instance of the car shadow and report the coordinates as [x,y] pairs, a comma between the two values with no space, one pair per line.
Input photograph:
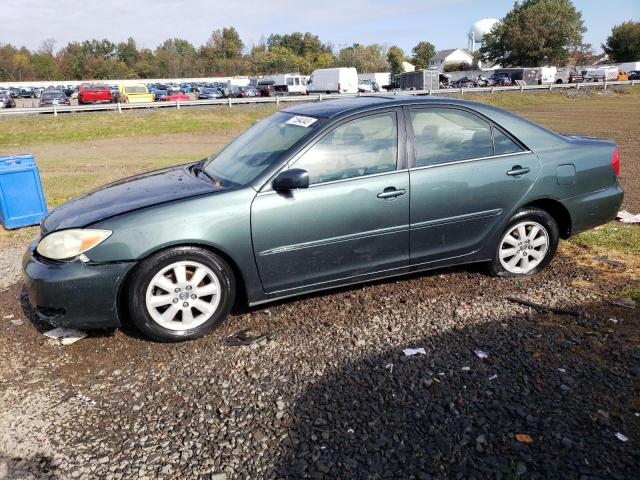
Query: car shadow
[547,402]
[39,467]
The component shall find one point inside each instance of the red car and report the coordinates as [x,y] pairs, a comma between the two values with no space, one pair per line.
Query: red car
[173,95]
[94,93]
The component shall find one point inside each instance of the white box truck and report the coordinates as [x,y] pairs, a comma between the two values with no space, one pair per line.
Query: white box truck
[333,80]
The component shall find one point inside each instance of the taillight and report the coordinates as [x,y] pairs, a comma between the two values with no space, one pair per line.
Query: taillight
[615,161]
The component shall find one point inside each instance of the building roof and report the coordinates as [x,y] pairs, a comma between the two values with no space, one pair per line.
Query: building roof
[443,54]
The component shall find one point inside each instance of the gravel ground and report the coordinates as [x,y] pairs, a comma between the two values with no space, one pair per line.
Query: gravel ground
[332,395]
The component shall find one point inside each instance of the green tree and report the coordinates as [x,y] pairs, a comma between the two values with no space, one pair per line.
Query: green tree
[535,33]
[623,45]
[127,52]
[422,53]
[395,57]
[365,58]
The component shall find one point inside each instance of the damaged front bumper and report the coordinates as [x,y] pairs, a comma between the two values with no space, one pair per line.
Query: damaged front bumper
[74,294]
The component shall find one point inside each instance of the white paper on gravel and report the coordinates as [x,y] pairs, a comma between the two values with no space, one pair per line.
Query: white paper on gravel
[414,351]
[626,217]
[67,336]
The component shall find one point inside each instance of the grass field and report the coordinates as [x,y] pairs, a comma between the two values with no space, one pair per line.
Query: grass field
[79,152]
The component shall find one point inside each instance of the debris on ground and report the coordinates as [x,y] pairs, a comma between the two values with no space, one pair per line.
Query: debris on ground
[621,437]
[17,322]
[414,351]
[67,336]
[243,338]
[466,369]
[481,354]
[524,438]
[608,261]
[86,399]
[625,302]
[493,377]
[626,217]
[7,317]
[546,308]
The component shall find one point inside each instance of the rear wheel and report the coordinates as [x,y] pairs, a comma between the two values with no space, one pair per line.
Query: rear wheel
[527,245]
[181,293]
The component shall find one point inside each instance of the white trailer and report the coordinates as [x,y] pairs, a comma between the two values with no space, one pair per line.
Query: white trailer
[333,80]
[629,67]
[600,74]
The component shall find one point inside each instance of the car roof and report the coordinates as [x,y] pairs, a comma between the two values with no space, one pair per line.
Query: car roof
[347,106]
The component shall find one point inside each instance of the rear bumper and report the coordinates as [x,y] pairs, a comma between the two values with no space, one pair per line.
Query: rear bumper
[593,209]
[74,294]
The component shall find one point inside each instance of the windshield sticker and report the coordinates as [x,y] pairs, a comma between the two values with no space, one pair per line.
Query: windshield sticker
[301,121]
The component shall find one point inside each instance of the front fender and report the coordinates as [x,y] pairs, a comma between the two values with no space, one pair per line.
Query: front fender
[221,222]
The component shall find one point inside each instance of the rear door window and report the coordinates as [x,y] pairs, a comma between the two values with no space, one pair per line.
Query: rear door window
[444,135]
[504,145]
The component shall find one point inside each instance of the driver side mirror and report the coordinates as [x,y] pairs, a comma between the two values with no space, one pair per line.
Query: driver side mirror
[291,180]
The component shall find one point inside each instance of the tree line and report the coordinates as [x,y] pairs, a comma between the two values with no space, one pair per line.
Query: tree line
[224,54]
[532,34]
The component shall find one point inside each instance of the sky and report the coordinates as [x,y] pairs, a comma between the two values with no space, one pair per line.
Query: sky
[444,23]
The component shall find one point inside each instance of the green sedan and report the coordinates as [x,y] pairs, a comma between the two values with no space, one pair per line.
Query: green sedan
[314,197]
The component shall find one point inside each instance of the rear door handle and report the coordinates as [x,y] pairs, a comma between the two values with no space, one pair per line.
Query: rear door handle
[517,170]
[391,192]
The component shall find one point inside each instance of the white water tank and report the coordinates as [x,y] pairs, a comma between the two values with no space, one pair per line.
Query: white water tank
[479,30]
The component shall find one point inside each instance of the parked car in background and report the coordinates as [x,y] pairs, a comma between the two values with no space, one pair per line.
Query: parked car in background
[53,97]
[568,75]
[94,93]
[333,80]
[266,87]
[186,88]
[210,93]
[314,197]
[239,91]
[115,92]
[14,92]
[5,99]
[27,93]
[634,75]
[464,82]
[367,86]
[135,93]
[174,95]
[623,76]
[158,90]
[500,80]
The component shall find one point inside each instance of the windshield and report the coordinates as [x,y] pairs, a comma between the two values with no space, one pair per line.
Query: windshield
[94,87]
[135,89]
[257,148]
[53,95]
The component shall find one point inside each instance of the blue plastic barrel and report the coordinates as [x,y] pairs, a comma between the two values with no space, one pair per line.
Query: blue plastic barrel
[21,197]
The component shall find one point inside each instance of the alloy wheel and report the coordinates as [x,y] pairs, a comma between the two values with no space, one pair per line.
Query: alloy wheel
[183,295]
[523,247]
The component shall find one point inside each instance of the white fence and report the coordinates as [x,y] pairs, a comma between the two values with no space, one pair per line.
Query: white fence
[56,109]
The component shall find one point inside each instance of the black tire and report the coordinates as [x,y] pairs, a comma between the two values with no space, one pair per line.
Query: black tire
[146,271]
[495,267]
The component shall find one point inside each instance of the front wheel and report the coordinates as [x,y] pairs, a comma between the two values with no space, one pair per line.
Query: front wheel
[527,245]
[181,293]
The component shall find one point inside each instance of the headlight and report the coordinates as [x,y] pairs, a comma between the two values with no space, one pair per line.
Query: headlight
[67,244]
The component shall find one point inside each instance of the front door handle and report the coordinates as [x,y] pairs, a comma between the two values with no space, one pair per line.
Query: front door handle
[517,170]
[391,192]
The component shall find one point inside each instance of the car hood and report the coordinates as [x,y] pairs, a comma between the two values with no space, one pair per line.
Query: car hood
[140,191]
